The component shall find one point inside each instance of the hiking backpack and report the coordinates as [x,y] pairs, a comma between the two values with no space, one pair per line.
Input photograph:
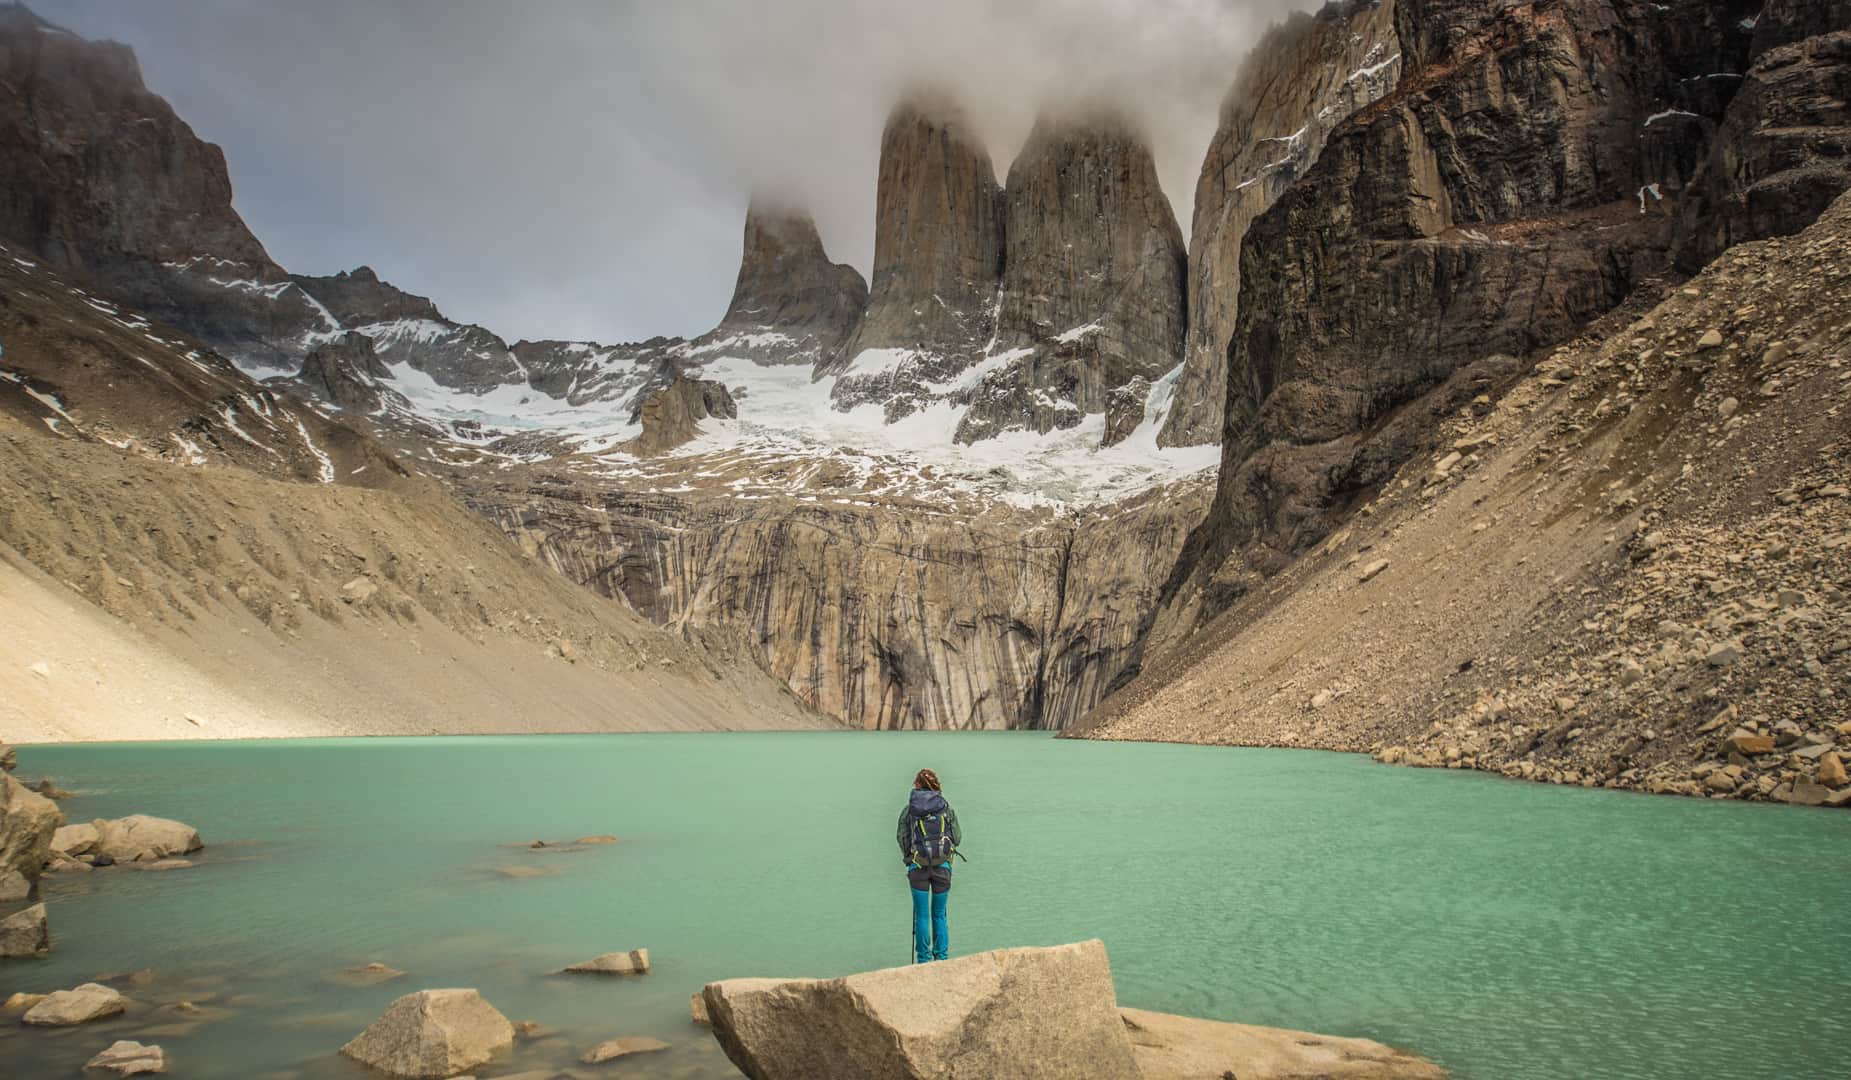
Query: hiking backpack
[931,838]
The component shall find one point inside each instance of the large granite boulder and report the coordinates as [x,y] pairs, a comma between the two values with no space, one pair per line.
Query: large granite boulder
[1182,1048]
[140,838]
[1021,1013]
[64,1008]
[25,933]
[78,839]
[27,822]
[433,1033]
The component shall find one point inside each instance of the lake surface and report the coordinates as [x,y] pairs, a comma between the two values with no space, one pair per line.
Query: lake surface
[1502,929]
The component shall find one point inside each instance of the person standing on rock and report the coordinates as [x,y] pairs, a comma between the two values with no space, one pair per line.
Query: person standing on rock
[929,837]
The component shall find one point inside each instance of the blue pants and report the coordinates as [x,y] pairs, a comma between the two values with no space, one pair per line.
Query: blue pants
[931,931]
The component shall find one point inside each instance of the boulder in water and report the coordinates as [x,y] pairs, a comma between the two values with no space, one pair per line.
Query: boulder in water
[127,1058]
[634,962]
[432,1033]
[76,839]
[27,822]
[697,1010]
[25,933]
[1045,1013]
[140,838]
[1181,1048]
[63,1008]
[13,886]
[612,1049]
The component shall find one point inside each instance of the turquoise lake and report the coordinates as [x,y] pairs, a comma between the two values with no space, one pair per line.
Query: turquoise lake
[1502,929]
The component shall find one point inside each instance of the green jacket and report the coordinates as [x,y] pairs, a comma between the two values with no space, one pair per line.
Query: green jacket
[925,802]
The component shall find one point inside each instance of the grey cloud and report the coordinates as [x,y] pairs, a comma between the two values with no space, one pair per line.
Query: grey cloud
[581,169]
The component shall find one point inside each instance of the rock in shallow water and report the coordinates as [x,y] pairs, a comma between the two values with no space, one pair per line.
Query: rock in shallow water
[128,1058]
[91,1001]
[27,822]
[140,838]
[1181,1048]
[1043,1013]
[25,933]
[74,839]
[432,1034]
[634,962]
[612,1049]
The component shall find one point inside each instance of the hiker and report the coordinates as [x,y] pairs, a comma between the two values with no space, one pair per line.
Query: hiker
[928,838]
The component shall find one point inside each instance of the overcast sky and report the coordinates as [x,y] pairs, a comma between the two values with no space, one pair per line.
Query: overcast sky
[581,169]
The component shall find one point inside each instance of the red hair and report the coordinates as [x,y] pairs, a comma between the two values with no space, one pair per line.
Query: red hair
[927,780]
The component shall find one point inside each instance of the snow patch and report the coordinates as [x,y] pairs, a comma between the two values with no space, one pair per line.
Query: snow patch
[324,463]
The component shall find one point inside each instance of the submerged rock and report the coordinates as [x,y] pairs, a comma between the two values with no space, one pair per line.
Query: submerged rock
[1181,1048]
[368,974]
[1049,1013]
[634,962]
[434,1034]
[127,1058]
[63,1008]
[697,1010]
[612,1049]
[25,933]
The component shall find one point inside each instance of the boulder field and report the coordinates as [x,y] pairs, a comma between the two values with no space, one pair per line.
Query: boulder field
[1041,1013]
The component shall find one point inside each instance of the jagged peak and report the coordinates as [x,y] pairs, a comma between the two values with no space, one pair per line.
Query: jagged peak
[16,19]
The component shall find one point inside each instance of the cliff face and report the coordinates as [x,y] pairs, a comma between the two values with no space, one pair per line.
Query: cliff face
[1304,77]
[1784,150]
[885,616]
[938,259]
[1492,205]
[1093,279]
